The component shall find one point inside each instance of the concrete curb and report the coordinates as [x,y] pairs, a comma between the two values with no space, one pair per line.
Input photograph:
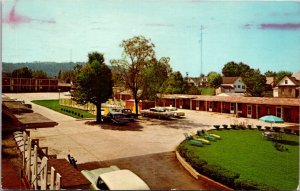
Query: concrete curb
[209,182]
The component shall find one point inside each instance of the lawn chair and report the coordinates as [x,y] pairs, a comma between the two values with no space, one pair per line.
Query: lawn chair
[196,143]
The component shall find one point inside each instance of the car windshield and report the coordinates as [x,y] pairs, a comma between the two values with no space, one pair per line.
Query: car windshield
[118,116]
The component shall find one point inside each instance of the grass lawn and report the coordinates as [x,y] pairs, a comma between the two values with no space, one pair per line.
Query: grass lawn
[207,91]
[254,158]
[53,104]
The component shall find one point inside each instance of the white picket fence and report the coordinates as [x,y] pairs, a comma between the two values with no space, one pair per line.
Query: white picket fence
[36,168]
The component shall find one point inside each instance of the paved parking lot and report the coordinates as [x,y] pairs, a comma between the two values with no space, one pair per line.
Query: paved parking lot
[145,147]
[88,141]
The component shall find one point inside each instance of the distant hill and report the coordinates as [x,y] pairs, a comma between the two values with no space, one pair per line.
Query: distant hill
[51,68]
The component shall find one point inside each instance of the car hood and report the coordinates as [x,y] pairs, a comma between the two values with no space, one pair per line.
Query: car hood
[123,180]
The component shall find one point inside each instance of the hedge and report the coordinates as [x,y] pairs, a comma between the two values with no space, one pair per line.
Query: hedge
[251,185]
[218,173]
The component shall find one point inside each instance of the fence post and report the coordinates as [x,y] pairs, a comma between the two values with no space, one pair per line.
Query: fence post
[24,147]
[57,182]
[34,170]
[44,173]
[52,177]
[28,161]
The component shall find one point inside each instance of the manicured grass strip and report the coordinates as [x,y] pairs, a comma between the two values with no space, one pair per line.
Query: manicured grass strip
[207,91]
[73,112]
[253,157]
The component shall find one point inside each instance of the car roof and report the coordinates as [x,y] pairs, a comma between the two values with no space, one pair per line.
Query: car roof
[123,180]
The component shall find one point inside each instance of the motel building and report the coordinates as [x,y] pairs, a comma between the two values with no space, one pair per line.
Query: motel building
[248,107]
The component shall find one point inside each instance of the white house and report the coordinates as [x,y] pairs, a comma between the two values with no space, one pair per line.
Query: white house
[232,85]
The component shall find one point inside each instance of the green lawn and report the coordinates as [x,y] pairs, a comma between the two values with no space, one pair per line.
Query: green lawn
[53,104]
[254,158]
[207,91]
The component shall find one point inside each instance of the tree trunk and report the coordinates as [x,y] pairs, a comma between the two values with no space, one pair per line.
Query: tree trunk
[136,107]
[98,117]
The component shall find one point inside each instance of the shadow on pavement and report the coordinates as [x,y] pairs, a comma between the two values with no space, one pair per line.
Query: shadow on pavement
[132,126]
[180,123]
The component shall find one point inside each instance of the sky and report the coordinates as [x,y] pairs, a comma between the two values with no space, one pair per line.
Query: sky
[264,35]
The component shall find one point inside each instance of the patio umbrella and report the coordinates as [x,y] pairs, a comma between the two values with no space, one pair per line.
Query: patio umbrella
[271,119]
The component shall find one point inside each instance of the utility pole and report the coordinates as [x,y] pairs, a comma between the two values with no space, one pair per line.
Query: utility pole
[201,46]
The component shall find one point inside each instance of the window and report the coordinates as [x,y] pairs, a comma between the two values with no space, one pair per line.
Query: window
[239,86]
[285,81]
[249,110]
[243,87]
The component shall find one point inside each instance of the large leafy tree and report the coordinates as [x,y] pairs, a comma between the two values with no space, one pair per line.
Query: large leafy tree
[255,82]
[154,76]
[138,54]
[22,73]
[175,84]
[232,69]
[93,82]
[214,79]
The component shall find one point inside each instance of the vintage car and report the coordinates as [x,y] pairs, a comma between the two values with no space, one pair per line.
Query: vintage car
[116,118]
[126,112]
[175,111]
[113,178]
[158,112]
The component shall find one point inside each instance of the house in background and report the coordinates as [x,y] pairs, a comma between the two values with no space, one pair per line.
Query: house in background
[198,81]
[287,87]
[231,85]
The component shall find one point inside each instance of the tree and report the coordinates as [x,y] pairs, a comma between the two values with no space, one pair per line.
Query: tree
[68,76]
[214,79]
[232,69]
[93,82]
[270,74]
[22,73]
[175,84]
[154,76]
[255,82]
[281,74]
[138,54]
[39,74]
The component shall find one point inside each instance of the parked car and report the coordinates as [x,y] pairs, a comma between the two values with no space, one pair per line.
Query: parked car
[175,111]
[126,112]
[158,112]
[116,118]
[113,178]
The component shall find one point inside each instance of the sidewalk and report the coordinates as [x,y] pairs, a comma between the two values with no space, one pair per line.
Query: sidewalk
[11,178]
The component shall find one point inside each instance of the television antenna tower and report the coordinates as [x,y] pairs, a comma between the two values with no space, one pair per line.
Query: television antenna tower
[201,48]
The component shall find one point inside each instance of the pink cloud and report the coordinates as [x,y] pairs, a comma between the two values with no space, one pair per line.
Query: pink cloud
[13,18]
[280,26]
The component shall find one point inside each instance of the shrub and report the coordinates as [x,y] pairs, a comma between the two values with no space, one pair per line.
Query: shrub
[220,174]
[78,114]
[72,111]
[217,127]
[81,116]
[249,126]
[296,132]
[193,159]
[225,126]
[258,127]
[75,113]
[233,126]
[251,185]
[61,109]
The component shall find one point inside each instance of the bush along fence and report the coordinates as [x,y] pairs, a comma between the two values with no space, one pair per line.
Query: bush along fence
[35,164]
[89,106]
